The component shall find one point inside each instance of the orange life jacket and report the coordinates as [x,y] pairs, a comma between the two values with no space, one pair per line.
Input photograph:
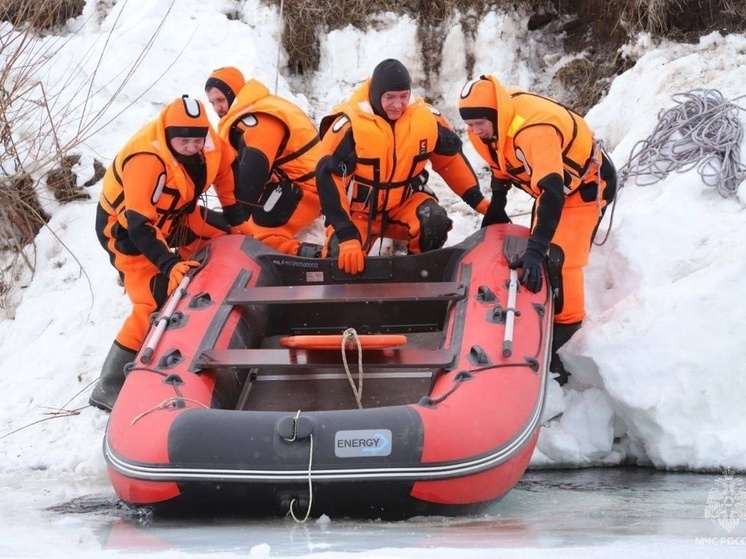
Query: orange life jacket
[175,192]
[388,157]
[299,154]
[518,110]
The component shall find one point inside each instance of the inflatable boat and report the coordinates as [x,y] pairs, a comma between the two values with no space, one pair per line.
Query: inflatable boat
[271,384]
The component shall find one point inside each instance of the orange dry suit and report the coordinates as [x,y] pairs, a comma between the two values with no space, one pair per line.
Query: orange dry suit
[548,151]
[371,176]
[148,208]
[277,149]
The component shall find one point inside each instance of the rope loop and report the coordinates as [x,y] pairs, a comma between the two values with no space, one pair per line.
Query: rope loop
[291,508]
[295,428]
[165,404]
[348,336]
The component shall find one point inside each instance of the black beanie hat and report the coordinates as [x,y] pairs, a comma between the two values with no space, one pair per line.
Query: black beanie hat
[389,75]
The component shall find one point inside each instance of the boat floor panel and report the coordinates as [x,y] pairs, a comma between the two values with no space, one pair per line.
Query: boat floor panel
[293,393]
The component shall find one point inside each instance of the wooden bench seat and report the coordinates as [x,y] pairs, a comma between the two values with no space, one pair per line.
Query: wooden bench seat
[288,359]
[348,292]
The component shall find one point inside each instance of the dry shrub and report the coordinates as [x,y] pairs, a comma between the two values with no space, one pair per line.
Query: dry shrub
[40,128]
[435,19]
[21,214]
[40,14]
[617,20]
[305,20]
[63,180]
[597,30]
[587,79]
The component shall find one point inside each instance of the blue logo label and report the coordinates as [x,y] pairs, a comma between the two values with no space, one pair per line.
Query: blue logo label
[362,442]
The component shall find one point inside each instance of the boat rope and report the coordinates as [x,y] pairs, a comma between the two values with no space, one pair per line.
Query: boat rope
[702,130]
[174,402]
[295,428]
[351,335]
[310,483]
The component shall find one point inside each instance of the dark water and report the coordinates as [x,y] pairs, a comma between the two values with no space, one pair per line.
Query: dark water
[548,514]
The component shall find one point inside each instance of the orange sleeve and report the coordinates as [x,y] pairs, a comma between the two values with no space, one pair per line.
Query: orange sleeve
[540,148]
[453,166]
[143,177]
[224,182]
[262,137]
[263,133]
[333,173]
[140,179]
[456,171]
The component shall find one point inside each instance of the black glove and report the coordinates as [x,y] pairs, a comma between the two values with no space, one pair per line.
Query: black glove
[234,214]
[496,211]
[532,263]
[418,183]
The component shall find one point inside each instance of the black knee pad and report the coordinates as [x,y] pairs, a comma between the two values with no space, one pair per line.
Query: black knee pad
[434,225]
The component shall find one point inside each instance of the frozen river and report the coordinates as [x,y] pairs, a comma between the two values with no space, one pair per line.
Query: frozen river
[594,513]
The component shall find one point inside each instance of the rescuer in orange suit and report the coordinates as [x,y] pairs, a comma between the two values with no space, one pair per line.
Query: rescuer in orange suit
[277,147]
[372,177]
[549,152]
[149,221]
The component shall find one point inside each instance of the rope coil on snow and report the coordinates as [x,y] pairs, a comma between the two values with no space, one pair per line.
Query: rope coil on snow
[702,131]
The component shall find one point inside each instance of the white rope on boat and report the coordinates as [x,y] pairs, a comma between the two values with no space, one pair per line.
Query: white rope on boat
[310,465]
[295,428]
[310,489]
[702,130]
[167,403]
[291,512]
[350,335]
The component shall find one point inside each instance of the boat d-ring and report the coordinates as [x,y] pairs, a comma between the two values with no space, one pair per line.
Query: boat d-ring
[294,428]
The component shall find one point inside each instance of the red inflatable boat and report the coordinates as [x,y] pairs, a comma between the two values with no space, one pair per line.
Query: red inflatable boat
[271,384]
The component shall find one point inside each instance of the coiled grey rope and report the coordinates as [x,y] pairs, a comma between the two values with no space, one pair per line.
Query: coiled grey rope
[702,130]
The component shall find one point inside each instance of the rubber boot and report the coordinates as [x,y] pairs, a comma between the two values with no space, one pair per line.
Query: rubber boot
[561,334]
[112,377]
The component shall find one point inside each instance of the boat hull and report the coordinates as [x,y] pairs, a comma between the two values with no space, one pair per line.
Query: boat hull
[223,417]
